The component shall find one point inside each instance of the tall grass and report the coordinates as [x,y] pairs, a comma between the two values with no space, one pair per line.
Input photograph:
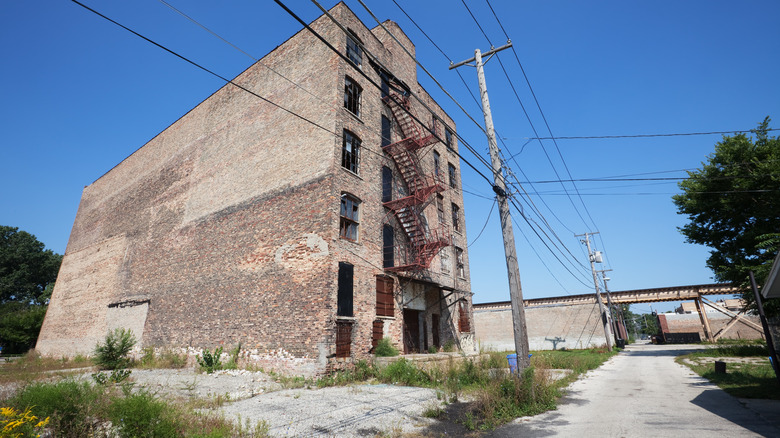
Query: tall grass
[80,409]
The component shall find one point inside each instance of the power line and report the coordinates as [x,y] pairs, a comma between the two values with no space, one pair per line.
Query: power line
[544,118]
[679,134]
[204,68]
[483,226]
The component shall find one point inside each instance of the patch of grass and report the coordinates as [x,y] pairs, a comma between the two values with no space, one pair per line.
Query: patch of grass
[152,359]
[753,378]
[32,366]
[79,409]
[385,348]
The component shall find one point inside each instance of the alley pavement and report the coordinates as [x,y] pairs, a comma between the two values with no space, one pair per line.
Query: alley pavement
[643,392]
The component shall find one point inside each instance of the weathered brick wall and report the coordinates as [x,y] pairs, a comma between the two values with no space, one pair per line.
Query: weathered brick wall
[225,226]
[549,327]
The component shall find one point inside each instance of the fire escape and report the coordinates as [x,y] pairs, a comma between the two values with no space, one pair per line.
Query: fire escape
[424,241]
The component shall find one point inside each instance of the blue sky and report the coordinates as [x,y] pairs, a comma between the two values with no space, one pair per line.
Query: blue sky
[80,94]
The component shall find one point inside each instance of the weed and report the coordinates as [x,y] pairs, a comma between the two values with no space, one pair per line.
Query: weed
[210,362]
[18,423]
[142,415]
[116,377]
[448,346]
[432,410]
[385,348]
[232,363]
[113,353]
[432,349]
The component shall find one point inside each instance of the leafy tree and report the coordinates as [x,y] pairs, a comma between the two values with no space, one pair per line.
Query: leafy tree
[733,205]
[27,275]
[26,268]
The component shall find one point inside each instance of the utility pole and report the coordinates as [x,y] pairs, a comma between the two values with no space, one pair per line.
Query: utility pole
[613,312]
[604,317]
[499,187]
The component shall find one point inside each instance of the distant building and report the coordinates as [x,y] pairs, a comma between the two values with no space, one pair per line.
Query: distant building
[306,241]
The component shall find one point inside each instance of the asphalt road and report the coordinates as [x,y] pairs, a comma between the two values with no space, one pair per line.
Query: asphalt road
[642,392]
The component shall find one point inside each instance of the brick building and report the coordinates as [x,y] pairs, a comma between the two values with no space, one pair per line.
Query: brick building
[305,240]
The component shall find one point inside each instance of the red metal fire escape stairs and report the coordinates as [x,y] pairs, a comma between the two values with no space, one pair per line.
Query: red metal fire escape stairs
[424,241]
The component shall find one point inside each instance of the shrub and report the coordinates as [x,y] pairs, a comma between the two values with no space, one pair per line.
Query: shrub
[73,407]
[432,349]
[113,354]
[143,415]
[448,346]
[210,362]
[384,348]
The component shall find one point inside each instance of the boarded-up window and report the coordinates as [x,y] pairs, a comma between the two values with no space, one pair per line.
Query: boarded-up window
[464,325]
[385,304]
[344,299]
[378,332]
[343,338]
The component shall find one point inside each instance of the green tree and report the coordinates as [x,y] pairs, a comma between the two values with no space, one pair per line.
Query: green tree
[27,275]
[733,207]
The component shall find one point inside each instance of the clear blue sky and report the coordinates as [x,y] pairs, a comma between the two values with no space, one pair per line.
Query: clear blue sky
[80,94]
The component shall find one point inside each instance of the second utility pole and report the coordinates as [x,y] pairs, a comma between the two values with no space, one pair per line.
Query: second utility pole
[602,310]
[515,291]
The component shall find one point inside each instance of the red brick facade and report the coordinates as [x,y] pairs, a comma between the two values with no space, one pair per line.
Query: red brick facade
[225,227]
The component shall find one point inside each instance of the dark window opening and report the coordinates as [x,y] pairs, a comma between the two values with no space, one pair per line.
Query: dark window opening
[344,299]
[377,332]
[385,87]
[435,329]
[387,128]
[350,218]
[464,325]
[436,161]
[387,184]
[352,93]
[440,208]
[448,138]
[343,338]
[354,52]
[452,174]
[385,304]
[455,217]
[350,152]
[460,266]
[388,246]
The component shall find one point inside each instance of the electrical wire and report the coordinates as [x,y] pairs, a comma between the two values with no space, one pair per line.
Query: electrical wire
[483,226]
[596,137]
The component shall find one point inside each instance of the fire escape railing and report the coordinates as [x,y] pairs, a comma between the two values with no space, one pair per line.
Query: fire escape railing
[424,242]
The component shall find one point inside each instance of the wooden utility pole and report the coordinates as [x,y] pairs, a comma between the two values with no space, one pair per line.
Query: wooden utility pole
[499,187]
[767,334]
[602,310]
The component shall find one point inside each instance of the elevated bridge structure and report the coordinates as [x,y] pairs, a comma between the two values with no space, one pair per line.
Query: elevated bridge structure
[695,293]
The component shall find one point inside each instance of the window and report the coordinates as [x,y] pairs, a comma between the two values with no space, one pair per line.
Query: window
[436,161]
[440,207]
[453,176]
[464,325]
[385,87]
[378,332]
[350,218]
[388,246]
[460,268]
[354,52]
[385,304]
[455,217]
[350,152]
[387,184]
[343,338]
[352,93]
[344,299]
[386,131]
[448,138]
